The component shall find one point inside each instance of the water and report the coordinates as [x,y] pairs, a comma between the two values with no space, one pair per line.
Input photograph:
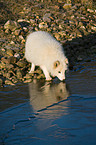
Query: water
[51,113]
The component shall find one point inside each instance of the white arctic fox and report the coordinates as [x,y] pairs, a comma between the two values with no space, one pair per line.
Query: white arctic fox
[43,50]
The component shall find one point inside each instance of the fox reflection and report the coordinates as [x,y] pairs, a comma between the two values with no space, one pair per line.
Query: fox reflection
[44,95]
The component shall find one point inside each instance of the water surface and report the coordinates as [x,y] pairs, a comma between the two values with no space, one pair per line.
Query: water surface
[51,113]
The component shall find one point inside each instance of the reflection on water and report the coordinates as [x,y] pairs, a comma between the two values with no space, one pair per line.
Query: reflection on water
[51,113]
[44,95]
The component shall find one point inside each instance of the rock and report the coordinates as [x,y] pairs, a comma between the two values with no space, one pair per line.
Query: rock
[9,66]
[14,80]
[43,25]
[32,21]
[67,6]
[25,29]
[23,20]
[4,60]
[1,82]
[21,63]
[7,31]
[28,81]
[19,74]
[17,32]
[21,37]
[90,10]
[93,28]
[46,17]
[28,76]
[12,42]
[8,82]
[7,75]
[12,60]
[57,36]
[16,55]
[11,25]
[40,76]
[2,65]
[9,52]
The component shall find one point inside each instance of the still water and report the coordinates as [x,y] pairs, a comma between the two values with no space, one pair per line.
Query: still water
[43,113]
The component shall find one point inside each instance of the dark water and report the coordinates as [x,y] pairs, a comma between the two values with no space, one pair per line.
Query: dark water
[56,113]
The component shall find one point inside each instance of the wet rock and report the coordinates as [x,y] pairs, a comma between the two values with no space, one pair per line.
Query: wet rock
[7,75]
[28,81]
[28,76]
[14,80]
[1,82]
[8,82]
[19,74]
[40,76]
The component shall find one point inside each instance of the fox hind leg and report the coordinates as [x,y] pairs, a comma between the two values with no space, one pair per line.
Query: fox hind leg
[32,68]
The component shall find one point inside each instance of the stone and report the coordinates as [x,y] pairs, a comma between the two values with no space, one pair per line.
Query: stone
[12,60]
[27,81]
[17,55]
[10,52]
[67,6]
[19,74]
[46,17]
[21,63]
[93,28]
[21,37]
[11,25]
[43,25]
[1,82]
[8,82]
[32,21]
[17,32]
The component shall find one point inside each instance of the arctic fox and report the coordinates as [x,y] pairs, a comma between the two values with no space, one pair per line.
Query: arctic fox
[43,50]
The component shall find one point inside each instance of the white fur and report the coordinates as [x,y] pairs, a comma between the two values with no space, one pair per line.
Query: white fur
[44,50]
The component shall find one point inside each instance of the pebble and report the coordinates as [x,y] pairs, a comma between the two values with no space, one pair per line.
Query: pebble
[43,25]
[10,52]
[46,17]
[21,63]
[68,23]
[1,82]
[67,6]
[8,82]
[19,74]
[11,25]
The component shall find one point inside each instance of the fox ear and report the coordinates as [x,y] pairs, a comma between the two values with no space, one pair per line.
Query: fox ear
[56,63]
[66,61]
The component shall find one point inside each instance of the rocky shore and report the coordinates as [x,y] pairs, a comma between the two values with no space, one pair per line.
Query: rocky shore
[73,25]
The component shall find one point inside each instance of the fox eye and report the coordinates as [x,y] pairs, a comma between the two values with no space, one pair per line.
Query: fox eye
[59,72]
